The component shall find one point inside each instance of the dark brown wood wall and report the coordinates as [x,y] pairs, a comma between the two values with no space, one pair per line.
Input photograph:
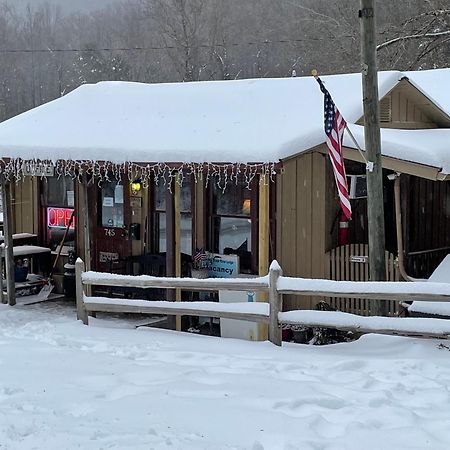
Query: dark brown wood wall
[426,226]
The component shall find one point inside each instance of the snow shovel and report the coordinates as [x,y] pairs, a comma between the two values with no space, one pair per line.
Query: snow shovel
[44,292]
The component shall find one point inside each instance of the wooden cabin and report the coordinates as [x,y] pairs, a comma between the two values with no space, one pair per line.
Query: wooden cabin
[154,172]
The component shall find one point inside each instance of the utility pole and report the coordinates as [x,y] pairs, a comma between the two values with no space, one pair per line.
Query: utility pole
[375,206]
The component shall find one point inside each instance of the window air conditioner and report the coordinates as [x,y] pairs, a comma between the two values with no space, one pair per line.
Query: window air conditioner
[357,186]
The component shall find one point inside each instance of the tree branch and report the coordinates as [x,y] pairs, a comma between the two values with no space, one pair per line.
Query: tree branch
[413,36]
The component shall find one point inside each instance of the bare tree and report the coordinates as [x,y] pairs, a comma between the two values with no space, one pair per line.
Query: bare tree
[44,54]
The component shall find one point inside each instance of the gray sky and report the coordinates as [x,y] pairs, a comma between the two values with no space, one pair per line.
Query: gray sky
[68,5]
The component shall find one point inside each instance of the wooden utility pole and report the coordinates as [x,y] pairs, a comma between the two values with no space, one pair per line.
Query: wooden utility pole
[375,206]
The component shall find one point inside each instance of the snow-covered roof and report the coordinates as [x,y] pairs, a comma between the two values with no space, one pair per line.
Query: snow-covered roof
[434,83]
[256,120]
[429,147]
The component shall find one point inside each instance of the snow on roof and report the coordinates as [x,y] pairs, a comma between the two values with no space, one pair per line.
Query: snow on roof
[433,83]
[239,121]
[260,120]
[429,147]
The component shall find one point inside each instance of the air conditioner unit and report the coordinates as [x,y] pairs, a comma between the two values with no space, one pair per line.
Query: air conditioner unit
[357,186]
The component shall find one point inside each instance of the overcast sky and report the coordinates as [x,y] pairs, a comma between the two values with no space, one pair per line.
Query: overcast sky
[67,5]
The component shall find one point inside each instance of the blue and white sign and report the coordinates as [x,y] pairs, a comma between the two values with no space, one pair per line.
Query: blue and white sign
[222,266]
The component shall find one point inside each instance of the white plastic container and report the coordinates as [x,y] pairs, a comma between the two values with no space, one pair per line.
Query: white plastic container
[239,329]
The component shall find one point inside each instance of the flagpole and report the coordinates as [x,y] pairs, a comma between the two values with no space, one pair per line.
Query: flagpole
[369,164]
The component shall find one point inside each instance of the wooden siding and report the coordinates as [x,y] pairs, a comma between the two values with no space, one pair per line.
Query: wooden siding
[302,218]
[25,202]
[405,107]
[426,224]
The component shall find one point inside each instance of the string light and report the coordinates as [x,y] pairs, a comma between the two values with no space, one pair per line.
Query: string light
[98,172]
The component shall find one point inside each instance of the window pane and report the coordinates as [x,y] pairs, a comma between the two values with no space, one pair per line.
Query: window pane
[234,234]
[59,191]
[186,195]
[234,201]
[112,204]
[160,196]
[186,234]
[162,236]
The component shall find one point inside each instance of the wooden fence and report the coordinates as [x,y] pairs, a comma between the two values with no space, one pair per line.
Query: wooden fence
[275,285]
[351,263]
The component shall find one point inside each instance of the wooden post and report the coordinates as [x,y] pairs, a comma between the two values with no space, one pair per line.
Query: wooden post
[3,299]
[83,209]
[8,232]
[274,304]
[81,310]
[177,224]
[86,228]
[170,247]
[263,244]
[375,206]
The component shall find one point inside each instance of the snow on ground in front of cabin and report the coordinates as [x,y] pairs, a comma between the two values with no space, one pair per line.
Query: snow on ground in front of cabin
[65,386]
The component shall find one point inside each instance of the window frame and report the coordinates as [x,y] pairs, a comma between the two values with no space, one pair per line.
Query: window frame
[211,238]
[155,214]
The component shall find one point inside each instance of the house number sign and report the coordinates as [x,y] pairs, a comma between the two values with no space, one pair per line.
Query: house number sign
[110,232]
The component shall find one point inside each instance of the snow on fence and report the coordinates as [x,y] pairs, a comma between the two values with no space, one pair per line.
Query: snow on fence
[275,285]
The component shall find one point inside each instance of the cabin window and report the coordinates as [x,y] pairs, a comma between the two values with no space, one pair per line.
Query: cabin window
[159,206]
[186,216]
[58,202]
[234,222]
[112,198]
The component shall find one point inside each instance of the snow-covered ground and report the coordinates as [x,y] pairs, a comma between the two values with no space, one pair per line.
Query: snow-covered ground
[65,386]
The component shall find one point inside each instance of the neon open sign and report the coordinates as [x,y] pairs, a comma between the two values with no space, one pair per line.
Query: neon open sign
[59,217]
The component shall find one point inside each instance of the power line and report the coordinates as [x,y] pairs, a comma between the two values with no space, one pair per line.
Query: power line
[166,47]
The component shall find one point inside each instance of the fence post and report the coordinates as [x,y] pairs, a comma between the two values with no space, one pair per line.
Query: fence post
[274,304]
[81,310]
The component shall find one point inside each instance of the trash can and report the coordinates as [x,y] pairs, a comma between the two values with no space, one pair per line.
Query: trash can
[69,280]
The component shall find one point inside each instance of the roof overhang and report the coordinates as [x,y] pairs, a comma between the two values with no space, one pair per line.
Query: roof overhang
[396,165]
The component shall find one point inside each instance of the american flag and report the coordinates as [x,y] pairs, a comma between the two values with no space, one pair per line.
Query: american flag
[334,129]
[200,256]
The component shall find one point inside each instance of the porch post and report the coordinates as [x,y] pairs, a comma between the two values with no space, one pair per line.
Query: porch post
[82,216]
[263,244]
[170,246]
[177,226]
[8,250]
[3,299]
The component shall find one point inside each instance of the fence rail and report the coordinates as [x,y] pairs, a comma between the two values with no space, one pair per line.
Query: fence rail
[275,285]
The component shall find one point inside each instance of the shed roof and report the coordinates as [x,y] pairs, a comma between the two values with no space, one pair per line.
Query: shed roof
[240,121]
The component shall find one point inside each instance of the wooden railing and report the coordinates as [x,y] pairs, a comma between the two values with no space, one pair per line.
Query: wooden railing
[275,285]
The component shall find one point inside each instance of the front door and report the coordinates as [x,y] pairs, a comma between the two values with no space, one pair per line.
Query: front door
[112,244]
